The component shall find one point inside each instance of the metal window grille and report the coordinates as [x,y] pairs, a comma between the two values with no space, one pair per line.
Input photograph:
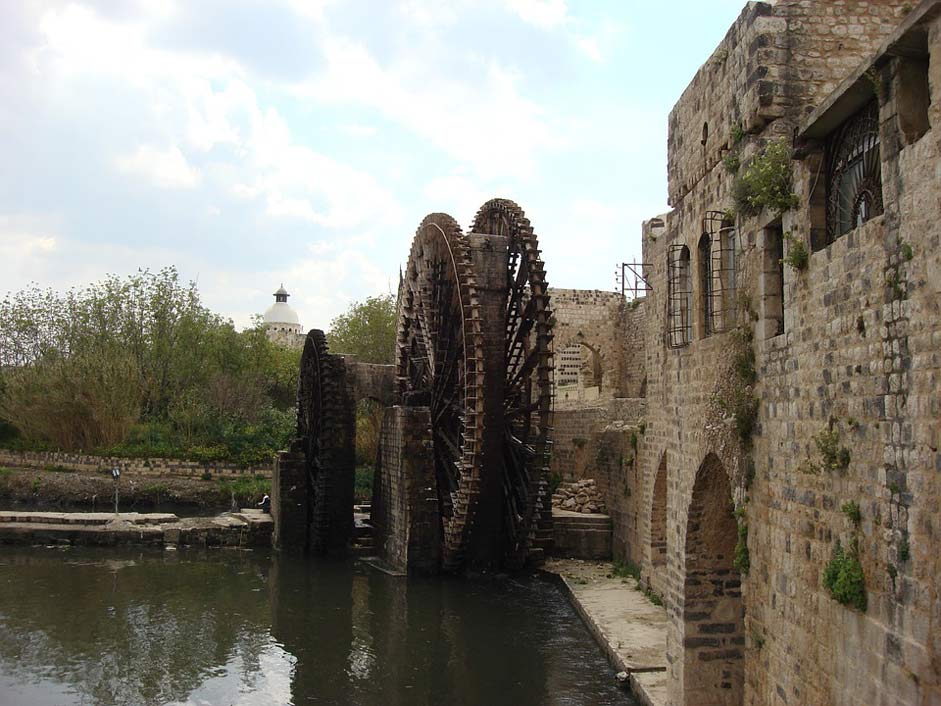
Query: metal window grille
[706,285]
[679,301]
[854,173]
[719,292]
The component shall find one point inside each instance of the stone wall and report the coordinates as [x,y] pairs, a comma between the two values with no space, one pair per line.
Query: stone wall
[406,526]
[370,381]
[572,430]
[608,330]
[149,467]
[856,367]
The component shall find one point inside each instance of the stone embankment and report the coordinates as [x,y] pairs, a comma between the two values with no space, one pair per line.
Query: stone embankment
[58,487]
[580,496]
[142,467]
[630,629]
[243,529]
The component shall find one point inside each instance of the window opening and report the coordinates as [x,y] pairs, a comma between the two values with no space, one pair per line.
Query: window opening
[772,286]
[680,296]
[854,173]
[706,288]
[719,308]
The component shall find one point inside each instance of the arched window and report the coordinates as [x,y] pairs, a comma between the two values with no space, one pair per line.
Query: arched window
[679,302]
[854,173]
[717,269]
[706,289]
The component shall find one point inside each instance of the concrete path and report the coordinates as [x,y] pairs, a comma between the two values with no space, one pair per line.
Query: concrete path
[630,629]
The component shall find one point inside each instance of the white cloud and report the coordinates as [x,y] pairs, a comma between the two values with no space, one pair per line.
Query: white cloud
[458,195]
[165,169]
[488,123]
[311,9]
[360,130]
[590,47]
[24,250]
[546,14]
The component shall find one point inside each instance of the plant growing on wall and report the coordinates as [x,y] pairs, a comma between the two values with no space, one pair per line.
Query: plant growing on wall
[766,181]
[843,577]
[731,162]
[742,560]
[741,402]
[831,455]
[797,256]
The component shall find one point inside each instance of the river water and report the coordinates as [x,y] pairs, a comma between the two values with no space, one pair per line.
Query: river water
[82,626]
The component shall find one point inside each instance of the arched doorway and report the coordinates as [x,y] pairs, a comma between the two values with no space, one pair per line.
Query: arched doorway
[713,613]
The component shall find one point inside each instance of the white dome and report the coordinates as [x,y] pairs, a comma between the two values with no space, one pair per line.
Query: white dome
[281,313]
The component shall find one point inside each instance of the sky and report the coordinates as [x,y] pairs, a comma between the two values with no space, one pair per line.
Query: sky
[254,142]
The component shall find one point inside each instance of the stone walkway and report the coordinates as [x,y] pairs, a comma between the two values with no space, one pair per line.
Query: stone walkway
[247,528]
[630,629]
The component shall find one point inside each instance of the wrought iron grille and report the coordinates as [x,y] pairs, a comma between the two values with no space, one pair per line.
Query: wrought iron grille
[706,282]
[679,301]
[719,291]
[854,173]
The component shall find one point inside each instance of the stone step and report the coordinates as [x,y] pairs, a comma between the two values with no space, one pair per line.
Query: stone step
[39,532]
[536,557]
[594,522]
[87,518]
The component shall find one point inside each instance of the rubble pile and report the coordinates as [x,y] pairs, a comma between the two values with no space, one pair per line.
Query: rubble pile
[580,496]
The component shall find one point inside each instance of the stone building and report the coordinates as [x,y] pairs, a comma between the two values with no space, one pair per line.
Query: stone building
[782,490]
[790,466]
[596,355]
[281,322]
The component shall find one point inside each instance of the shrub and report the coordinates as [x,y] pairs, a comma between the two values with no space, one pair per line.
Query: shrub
[766,181]
[731,163]
[362,484]
[555,480]
[833,456]
[797,257]
[851,510]
[246,489]
[843,577]
[626,569]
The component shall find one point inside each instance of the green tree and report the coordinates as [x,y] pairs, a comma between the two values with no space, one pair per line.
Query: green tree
[366,330]
[138,366]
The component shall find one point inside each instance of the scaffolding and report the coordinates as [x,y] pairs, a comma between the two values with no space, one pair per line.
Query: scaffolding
[632,278]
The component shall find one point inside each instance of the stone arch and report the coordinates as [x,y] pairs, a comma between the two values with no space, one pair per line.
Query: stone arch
[658,517]
[593,370]
[713,612]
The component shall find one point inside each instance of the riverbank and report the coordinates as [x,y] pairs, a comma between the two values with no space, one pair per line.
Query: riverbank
[630,629]
[61,488]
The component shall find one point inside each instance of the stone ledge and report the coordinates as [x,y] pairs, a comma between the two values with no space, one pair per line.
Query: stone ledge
[630,630]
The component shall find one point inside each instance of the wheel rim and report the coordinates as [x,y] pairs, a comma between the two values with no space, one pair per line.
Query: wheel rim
[439,363]
[528,389]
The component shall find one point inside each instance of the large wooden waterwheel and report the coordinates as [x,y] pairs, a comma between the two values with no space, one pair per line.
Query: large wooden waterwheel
[527,401]
[439,364]
[324,423]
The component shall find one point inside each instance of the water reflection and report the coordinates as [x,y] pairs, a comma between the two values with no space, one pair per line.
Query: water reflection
[85,626]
